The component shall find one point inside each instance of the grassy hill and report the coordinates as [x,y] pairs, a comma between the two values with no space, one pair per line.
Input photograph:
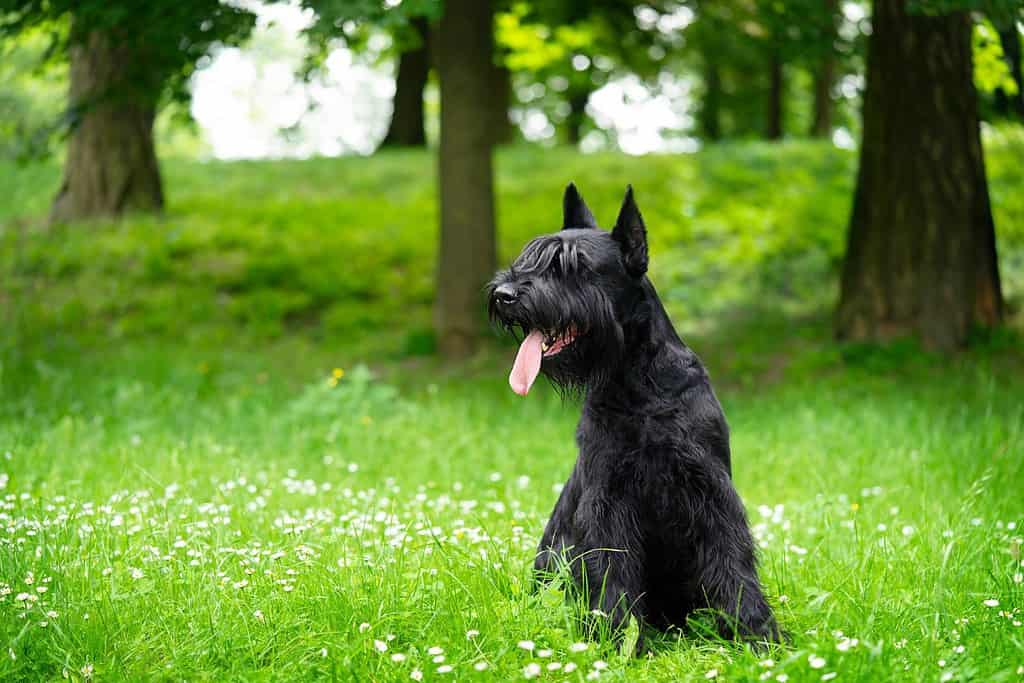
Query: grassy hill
[199,468]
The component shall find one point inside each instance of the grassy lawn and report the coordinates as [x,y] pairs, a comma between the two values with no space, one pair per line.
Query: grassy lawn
[226,451]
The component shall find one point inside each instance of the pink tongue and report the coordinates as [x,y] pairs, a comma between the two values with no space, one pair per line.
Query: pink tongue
[527,365]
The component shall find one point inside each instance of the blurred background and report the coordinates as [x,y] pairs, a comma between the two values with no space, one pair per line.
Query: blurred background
[250,400]
[397,151]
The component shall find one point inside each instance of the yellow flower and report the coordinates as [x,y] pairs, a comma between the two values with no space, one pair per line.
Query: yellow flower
[338,373]
[855,506]
[332,382]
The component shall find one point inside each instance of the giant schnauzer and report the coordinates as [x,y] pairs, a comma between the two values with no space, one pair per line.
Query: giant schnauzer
[649,520]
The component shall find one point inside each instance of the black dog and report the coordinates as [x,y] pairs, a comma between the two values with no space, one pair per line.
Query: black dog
[649,519]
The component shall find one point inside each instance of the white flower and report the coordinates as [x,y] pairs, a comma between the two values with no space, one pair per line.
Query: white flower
[435,650]
[767,663]
[258,614]
[444,668]
[711,673]
[544,653]
[480,666]
[1018,578]
[532,670]
[600,665]
[380,645]
[829,676]
[398,657]
[416,675]
[526,645]
[579,647]
[137,573]
[438,659]
[569,668]
[472,633]
[991,602]
[363,627]
[553,666]
[816,662]
[782,678]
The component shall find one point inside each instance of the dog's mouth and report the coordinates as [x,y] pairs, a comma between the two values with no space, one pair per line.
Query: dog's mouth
[537,345]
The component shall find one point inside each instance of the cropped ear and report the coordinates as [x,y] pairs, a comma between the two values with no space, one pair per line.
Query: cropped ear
[575,213]
[630,233]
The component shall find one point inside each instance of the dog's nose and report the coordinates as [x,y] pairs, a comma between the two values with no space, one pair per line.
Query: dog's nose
[505,294]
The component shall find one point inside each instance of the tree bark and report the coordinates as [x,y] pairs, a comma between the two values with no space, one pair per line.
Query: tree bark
[824,76]
[467,245]
[406,127]
[921,251]
[1007,104]
[776,96]
[821,123]
[111,164]
[578,100]
[504,132]
[711,108]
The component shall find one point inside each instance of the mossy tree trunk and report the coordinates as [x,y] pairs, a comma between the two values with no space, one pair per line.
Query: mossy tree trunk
[467,244]
[111,164]
[406,128]
[921,250]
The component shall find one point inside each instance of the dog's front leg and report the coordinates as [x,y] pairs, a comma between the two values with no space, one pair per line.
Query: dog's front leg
[558,539]
[613,559]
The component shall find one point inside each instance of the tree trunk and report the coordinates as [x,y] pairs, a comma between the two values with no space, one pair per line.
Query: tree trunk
[711,108]
[111,164]
[578,100]
[824,76]
[406,128]
[776,94]
[1007,104]
[467,245]
[504,131]
[821,124]
[921,250]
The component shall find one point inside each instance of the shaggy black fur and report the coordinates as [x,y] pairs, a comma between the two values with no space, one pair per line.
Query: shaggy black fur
[649,520]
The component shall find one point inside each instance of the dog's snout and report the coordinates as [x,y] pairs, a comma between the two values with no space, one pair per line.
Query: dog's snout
[505,294]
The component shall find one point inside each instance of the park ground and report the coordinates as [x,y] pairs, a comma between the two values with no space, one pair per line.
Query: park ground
[227,451]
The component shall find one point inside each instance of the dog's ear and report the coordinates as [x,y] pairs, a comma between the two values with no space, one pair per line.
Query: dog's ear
[575,213]
[630,233]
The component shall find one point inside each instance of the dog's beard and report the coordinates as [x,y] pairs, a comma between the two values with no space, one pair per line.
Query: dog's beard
[570,336]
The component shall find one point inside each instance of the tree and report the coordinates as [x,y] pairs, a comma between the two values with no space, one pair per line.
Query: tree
[921,249]
[1010,101]
[406,128]
[126,60]
[467,246]
[824,73]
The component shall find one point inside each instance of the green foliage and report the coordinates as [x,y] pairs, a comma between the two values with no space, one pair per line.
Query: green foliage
[32,90]
[161,41]
[991,72]
[208,485]
[343,250]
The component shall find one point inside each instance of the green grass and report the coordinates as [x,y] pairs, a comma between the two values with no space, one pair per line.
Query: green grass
[199,502]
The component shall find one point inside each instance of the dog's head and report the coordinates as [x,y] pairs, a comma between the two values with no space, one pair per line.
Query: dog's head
[569,294]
